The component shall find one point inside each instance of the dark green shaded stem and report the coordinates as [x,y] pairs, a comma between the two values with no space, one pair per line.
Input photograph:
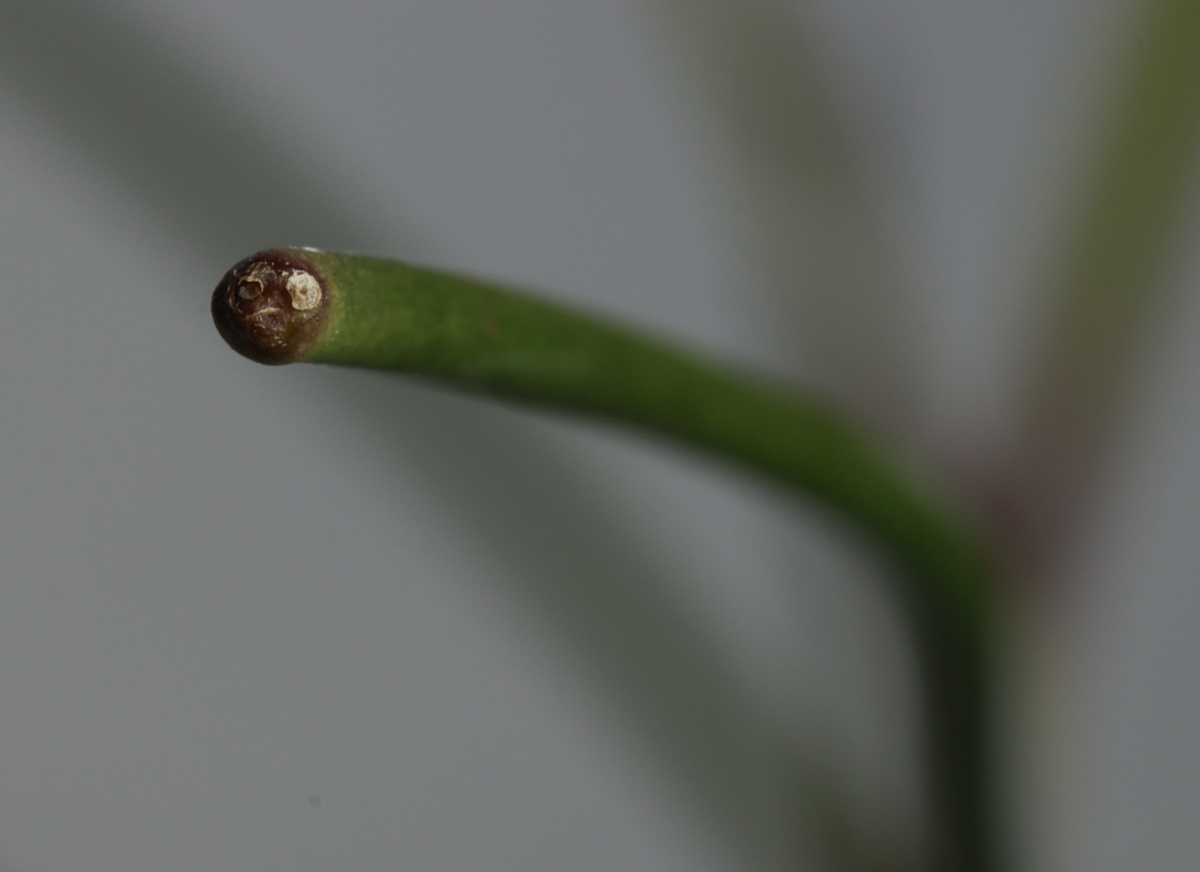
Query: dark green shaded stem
[387,315]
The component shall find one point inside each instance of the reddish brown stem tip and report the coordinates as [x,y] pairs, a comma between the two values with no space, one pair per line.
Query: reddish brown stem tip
[271,306]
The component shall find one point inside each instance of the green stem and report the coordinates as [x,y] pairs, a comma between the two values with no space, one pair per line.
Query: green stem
[292,305]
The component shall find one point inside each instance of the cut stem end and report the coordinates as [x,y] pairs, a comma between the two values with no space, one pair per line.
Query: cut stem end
[271,306]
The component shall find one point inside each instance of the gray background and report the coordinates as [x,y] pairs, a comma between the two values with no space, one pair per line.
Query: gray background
[307,619]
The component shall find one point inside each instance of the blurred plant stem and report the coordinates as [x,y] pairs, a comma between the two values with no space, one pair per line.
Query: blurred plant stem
[297,305]
[1110,273]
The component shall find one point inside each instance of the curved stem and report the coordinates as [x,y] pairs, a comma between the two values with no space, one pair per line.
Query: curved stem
[292,305]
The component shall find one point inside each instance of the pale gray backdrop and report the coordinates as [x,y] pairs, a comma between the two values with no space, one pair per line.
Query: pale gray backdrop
[303,619]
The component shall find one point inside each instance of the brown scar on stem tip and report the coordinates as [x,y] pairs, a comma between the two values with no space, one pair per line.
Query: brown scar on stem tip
[271,306]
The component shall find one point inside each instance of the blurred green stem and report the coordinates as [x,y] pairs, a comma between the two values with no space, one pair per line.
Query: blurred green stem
[292,305]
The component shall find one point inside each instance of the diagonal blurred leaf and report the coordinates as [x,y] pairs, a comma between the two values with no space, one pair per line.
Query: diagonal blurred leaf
[178,140]
[198,156]
[811,234]
[646,651]
[1109,283]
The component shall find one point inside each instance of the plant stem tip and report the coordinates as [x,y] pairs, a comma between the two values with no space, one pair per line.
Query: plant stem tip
[271,306]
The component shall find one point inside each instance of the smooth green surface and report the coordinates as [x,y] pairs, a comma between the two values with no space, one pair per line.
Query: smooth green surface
[390,315]
[394,316]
